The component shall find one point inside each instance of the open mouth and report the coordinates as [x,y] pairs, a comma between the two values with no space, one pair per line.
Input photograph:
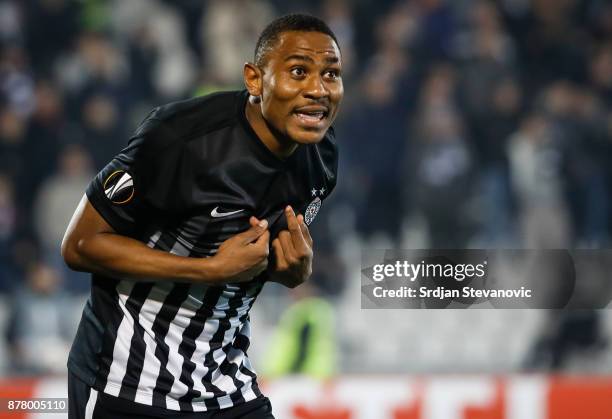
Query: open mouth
[311,116]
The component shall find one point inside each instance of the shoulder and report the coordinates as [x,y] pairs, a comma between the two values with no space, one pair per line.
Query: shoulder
[201,113]
[178,122]
[328,146]
[322,160]
[327,149]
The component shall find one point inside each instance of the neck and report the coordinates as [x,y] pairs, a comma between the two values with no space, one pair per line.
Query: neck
[280,147]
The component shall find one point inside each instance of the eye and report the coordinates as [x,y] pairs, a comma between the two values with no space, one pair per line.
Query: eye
[332,74]
[298,71]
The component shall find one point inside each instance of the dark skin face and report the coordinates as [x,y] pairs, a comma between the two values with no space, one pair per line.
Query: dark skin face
[296,92]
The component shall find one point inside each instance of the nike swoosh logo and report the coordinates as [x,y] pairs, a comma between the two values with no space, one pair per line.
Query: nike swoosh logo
[216,214]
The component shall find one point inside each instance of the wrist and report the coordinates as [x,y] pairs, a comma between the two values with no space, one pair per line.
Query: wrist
[210,270]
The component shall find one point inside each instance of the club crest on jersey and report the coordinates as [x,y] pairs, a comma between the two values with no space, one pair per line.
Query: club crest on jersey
[312,210]
[119,187]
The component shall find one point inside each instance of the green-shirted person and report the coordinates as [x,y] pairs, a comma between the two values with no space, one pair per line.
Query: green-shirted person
[304,341]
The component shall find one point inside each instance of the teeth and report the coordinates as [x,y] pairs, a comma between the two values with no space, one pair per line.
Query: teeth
[311,115]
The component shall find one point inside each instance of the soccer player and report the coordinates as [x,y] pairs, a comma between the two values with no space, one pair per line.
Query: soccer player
[177,231]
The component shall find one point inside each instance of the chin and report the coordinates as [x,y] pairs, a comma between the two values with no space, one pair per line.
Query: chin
[309,140]
[307,137]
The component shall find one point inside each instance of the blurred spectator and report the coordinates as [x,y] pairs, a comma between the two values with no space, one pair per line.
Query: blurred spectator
[601,73]
[143,55]
[190,13]
[491,129]
[13,160]
[47,129]
[553,46]
[7,208]
[487,56]
[304,341]
[39,329]
[535,163]
[587,157]
[575,118]
[8,227]
[55,203]
[599,14]
[102,135]
[338,15]
[479,115]
[440,171]
[93,65]
[491,98]
[230,29]
[16,84]
[51,27]
[397,29]
[436,30]
[174,70]
[438,162]
[11,22]
[376,128]
[567,336]
[95,15]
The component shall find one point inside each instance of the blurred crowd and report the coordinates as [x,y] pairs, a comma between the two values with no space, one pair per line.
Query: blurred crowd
[490,122]
[477,123]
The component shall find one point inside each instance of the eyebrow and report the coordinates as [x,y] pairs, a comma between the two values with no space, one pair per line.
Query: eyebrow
[328,60]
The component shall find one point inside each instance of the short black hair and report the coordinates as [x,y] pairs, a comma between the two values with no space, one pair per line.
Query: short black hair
[292,22]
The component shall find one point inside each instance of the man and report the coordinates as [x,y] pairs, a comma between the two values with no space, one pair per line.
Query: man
[176,231]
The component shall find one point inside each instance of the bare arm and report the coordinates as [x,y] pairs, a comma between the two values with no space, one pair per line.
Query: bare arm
[90,244]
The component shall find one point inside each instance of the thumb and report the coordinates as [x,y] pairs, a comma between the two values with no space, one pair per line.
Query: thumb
[254,221]
[255,231]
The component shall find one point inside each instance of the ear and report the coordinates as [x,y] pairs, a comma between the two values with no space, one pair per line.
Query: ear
[253,78]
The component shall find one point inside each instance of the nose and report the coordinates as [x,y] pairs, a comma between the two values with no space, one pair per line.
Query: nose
[315,89]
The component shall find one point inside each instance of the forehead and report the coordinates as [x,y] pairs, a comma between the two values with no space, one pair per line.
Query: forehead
[315,44]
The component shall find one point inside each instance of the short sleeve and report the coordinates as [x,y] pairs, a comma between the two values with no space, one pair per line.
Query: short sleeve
[141,181]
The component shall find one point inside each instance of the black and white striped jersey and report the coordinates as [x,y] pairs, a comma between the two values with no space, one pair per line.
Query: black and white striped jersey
[190,178]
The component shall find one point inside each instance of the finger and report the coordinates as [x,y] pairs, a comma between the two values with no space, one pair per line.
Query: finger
[255,232]
[289,251]
[305,230]
[263,239]
[253,221]
[294,228]
[281,261]
[292,221]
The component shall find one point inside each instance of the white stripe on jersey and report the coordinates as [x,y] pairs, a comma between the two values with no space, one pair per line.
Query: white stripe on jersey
[238,358]
[91,403]
[202,348]
[148,313]
[224,382]
[154,238]
[151,365]
[121,350]
[173,339]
